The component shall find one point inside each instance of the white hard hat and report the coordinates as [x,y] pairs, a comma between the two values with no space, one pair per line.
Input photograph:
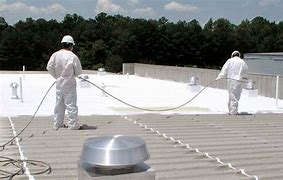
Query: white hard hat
[68,39]
[235,53]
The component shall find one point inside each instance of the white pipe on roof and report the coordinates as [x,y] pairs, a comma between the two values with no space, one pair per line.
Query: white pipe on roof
[277,90]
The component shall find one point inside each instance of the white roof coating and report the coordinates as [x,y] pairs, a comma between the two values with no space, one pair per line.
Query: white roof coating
[198,141]
[138,91]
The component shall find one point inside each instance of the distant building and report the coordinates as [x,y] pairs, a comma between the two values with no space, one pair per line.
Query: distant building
[265,63]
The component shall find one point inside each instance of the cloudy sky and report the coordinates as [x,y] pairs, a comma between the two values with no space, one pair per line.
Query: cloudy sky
[201,10]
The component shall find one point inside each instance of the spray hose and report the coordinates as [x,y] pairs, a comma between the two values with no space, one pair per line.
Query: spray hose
[2,147]
[159,110]
[146,109]
[18,163]
[47,167]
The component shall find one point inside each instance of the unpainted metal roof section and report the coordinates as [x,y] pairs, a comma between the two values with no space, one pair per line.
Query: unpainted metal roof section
[181,146]
[265,63]
[275,56]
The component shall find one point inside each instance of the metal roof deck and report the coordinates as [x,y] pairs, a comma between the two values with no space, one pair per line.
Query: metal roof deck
[253,143]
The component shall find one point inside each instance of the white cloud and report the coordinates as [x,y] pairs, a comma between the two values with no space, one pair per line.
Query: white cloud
[20,7]
[268,2]
[108,7]
[174,6]
[56,8]
[144,12]
[13,12]
[134,2]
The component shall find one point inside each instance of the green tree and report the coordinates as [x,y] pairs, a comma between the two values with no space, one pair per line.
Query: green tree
[3,27]
[219,41]
[3,24]
[209,46]
[243,37]
[263,35]
[107,41]
[279,38]
[113,63]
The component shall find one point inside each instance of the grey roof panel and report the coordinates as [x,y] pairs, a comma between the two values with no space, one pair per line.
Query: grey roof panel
[250,142]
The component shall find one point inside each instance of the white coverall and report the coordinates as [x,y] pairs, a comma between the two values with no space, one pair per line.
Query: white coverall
[64,66]
[234,69]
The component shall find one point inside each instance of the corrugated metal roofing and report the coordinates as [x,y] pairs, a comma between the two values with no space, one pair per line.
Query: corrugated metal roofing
[268,54]
[181,146]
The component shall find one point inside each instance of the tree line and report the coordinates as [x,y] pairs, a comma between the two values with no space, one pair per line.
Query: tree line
[110,40]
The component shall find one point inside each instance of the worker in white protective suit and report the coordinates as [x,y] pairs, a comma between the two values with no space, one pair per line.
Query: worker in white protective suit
[64,66]
[235,70]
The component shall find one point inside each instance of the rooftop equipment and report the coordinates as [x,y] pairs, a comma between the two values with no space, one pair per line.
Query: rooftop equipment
[250,85]
[250,89]
[193,85]
[193,81]
[101,71]
[14,87]
[116,156]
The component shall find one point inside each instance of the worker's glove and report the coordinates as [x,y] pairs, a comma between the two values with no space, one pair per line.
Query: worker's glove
[245,79]
[83,77]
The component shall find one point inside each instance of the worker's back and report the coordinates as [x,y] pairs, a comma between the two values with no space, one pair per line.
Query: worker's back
[236,68]
[64,65]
